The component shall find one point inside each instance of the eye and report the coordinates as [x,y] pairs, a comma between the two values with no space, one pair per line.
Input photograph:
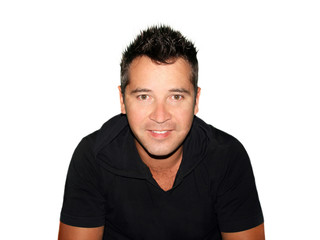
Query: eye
[143,97]
[177,97]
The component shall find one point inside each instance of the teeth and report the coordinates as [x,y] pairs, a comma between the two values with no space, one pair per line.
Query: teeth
[160,132]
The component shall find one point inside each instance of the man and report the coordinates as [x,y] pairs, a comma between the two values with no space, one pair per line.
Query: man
[156,171]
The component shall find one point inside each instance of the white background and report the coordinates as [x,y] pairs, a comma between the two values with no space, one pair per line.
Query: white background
[259,73]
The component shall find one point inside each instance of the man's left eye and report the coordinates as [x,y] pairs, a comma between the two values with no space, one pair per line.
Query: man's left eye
[177,97]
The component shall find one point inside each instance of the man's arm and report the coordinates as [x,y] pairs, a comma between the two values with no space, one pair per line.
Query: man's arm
[67,232]
[256,233]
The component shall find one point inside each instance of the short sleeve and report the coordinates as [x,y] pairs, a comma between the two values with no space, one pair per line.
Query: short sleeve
[237,206]
[83,203]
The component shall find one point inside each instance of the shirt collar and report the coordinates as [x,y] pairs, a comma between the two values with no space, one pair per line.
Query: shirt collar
[115,149]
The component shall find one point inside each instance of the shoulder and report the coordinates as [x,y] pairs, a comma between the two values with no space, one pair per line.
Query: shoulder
[88,147]
[217,138]
[94,141]
[224,152]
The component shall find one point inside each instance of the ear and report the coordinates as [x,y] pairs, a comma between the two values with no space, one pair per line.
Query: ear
[122,105]
[196,105]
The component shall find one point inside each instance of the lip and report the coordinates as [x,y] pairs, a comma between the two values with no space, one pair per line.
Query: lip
[160,133]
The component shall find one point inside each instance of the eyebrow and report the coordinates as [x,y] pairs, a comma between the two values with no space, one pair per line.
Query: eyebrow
[174,90]
[140,90]
[180,90]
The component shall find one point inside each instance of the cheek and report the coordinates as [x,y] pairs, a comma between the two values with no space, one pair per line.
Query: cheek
[136,115]
[184,116]
[185,109]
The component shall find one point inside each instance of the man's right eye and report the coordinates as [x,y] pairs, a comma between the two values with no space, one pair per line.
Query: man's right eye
[143,97]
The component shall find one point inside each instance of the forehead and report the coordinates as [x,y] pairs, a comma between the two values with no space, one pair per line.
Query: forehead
[143,70]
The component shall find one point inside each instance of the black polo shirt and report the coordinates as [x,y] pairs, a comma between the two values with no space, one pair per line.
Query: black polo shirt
[108,185]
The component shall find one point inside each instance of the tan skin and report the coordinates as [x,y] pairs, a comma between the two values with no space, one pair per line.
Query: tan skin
[159,103]
[67,232]
[256,233]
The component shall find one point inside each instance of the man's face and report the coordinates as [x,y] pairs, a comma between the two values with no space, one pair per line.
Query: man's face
[160,104]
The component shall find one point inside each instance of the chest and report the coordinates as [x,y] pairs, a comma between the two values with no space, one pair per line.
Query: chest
[164,179]
[140,208]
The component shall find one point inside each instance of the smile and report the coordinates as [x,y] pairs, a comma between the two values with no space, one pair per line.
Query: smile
[159,132]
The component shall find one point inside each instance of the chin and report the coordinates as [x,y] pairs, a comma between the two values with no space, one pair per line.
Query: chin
[161,153]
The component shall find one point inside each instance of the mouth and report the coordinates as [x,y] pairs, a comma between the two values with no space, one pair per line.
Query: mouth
[160,133]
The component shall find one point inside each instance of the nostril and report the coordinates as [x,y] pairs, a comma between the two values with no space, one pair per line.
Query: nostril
[160,114]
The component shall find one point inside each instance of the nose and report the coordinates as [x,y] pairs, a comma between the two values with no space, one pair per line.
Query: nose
[160,113]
